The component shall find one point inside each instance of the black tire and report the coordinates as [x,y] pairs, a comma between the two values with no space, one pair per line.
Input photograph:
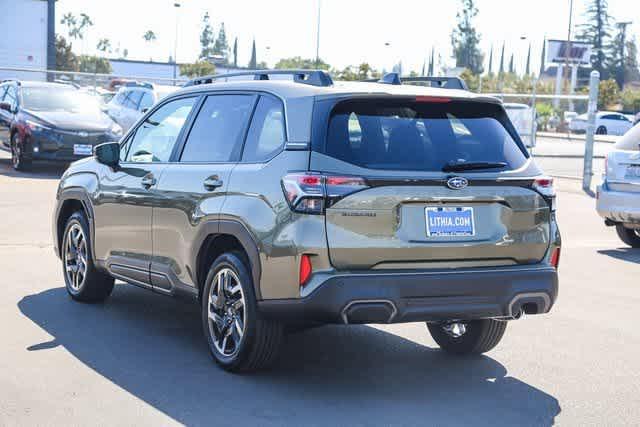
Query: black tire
[601,130]
[19,159]
[629,236]
[258,345]
[95,286]
[480,336]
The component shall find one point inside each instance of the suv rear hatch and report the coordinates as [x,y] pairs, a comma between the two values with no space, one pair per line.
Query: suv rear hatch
[623,163]
[424,182]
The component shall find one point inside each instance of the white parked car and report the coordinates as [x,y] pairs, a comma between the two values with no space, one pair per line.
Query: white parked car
[523,119]
[618,198]
[133,100]
[607,123]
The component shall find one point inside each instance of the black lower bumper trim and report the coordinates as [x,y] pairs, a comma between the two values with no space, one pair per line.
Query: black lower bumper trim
[433,296]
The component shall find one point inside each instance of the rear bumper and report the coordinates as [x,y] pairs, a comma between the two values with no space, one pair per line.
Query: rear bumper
[431,296]
[618,206]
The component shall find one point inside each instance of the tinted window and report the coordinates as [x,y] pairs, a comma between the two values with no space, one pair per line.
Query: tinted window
[266,134]
[154,139]
[3,90]
[133,99]
[120,97]
[218,129]
[57,98]
[11,97]
[422,136]
[146,102]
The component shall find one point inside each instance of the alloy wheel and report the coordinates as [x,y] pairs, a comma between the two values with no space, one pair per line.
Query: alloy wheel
[75,257]
[226,312]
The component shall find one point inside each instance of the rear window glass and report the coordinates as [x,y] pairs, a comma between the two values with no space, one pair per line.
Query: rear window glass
[423,136]
[630,140]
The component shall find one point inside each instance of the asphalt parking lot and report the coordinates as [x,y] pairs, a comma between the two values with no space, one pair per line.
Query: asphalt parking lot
[140,359]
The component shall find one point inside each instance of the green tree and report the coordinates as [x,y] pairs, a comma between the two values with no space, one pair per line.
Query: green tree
[221,46]
[623,57]
[512,67]
[253,62]
[609,94]
[207,39]
[70,21]
[93,64]
[465,39]
[298,62]
[235,52]
[527,68]
[432,64]
[197,69]
[66,60]
[502,60]
[596,31]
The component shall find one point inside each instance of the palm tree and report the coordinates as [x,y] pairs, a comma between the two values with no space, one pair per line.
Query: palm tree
[149,37]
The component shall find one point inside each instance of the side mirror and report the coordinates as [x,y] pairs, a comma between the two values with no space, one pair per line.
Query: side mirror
[108,154]
[5,106]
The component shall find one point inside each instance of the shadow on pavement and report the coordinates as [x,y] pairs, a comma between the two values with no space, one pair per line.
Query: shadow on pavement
[624,254]
[152,347]
[39,170]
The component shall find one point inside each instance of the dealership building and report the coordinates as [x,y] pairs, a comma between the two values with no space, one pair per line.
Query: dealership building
[28,38]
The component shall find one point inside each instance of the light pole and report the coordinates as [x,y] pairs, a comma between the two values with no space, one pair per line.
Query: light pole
[318,37]
[176,5]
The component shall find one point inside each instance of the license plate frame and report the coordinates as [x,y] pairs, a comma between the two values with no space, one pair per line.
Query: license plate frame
[450,221]
[82,149]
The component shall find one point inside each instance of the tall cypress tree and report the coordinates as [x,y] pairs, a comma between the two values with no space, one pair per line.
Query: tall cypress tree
[527,69]
[596,31]
[432,62]
[207,39]
[465,39]
[491,60]
[543,57]
[512,67]
[253,62]
[502,60]
[235,52]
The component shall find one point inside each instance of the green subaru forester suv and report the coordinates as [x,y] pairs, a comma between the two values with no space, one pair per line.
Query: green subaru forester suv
[281,199]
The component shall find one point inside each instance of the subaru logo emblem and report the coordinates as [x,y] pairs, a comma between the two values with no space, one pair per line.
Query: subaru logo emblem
[83,134]
[457,183]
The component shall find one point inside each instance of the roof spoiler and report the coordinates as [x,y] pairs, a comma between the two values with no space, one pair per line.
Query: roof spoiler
[309,77]
[440,82]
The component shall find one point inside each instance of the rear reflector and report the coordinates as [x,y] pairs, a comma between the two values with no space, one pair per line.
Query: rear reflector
[305,269]
[555,258]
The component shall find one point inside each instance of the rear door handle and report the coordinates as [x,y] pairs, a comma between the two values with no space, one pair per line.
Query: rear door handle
[212,183]
[148,181]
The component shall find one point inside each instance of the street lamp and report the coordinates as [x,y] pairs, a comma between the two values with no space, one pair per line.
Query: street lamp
[176,5]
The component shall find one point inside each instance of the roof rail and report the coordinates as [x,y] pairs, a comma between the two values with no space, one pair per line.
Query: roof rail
[309,77]
[441,82]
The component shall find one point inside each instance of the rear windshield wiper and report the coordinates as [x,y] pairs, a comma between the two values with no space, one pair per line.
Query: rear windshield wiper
[467,166]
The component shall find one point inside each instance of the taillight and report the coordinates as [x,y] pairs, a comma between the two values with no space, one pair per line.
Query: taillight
[555,258]
[305,269]
[311,193]
[544,186]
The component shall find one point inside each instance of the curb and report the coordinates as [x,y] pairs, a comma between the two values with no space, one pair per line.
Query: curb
[572,137]
[564,156]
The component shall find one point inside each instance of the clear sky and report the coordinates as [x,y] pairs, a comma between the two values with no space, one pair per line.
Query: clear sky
[351,31]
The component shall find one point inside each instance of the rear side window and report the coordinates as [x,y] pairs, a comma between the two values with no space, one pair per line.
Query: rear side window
[218,129]
[266,134]
[133,99]
[405,134]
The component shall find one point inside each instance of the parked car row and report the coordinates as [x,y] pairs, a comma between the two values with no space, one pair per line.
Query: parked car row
[58,121]
[618,198]
[607,123]
[51,121]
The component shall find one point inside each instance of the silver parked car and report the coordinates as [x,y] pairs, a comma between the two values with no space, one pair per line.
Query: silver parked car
[310,201]
[618,198]
[133,100]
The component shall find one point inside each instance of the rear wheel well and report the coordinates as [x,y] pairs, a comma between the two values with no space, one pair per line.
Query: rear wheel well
[68,208]
[214,246]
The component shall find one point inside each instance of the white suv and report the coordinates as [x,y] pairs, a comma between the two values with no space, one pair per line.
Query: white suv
[133,100]
[618,198]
